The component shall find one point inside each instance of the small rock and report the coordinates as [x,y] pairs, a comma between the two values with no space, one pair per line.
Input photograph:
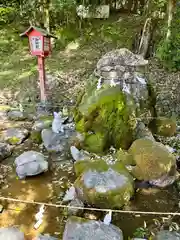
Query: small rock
[76,154]
[30,163]
[70,194]
[5,151]
[3,112]
[11,233]
[17,115]
[15,136]
[52,141]
[80,228]
[143,132]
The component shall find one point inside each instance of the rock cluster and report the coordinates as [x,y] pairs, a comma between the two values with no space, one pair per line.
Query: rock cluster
[112,142]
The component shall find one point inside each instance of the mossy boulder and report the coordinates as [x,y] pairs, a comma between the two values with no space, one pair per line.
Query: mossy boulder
[125,157]
[80,166]
[103,185]
[43,123]
[163,126]
[108,115]
[95,143]
[14,136]
[152,159]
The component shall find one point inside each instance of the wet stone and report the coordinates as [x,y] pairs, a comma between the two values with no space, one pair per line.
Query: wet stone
[30,163]
[15,136]
[5,151]
[16,115]
[11,233]
[80,228]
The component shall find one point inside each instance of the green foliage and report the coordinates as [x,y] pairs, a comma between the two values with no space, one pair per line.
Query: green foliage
[168,51]
[7,14]
[141,232]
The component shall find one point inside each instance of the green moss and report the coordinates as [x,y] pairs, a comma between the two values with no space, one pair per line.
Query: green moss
[163,126]
[13,140]
[125,157]
[95,143]
[80,126]
[80,166]
[114,198]
[78,219]
[152,159]
[44,118]
[5,108]
[108,113]
[36,137]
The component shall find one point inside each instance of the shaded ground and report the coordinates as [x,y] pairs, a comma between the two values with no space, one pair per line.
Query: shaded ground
[74,57]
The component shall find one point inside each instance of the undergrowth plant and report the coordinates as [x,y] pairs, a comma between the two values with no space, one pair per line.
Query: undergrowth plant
[168,50]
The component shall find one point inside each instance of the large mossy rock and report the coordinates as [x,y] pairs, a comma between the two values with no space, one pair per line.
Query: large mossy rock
[79,228]
[106,117]
[162,126]
[152,159]
[103,185]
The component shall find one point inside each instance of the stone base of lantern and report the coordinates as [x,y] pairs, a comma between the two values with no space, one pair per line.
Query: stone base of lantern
[44,108]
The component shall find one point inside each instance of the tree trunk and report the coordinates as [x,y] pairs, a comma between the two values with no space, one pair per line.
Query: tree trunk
[130,5]
[145,38]
[135,6]
[170,10]
[47,15]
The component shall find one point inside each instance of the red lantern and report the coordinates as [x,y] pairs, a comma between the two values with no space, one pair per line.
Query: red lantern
[40,45]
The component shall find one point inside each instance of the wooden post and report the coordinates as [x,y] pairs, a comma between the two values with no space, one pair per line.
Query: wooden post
[42,78]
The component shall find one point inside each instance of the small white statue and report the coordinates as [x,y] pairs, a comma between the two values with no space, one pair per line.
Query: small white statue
[99,84]
[112,82]
[108,218]
[57,124]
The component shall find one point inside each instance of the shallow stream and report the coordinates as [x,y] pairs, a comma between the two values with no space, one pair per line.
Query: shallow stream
[51,186]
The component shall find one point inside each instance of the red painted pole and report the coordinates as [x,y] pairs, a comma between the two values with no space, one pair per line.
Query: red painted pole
[42,78]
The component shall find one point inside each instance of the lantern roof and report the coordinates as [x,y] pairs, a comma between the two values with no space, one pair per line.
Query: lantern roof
[41,30]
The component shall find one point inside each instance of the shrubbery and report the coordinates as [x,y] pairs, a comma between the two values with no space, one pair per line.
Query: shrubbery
[168,51]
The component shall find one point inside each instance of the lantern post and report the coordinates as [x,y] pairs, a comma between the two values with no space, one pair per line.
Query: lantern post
[42,80]
[40,46]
